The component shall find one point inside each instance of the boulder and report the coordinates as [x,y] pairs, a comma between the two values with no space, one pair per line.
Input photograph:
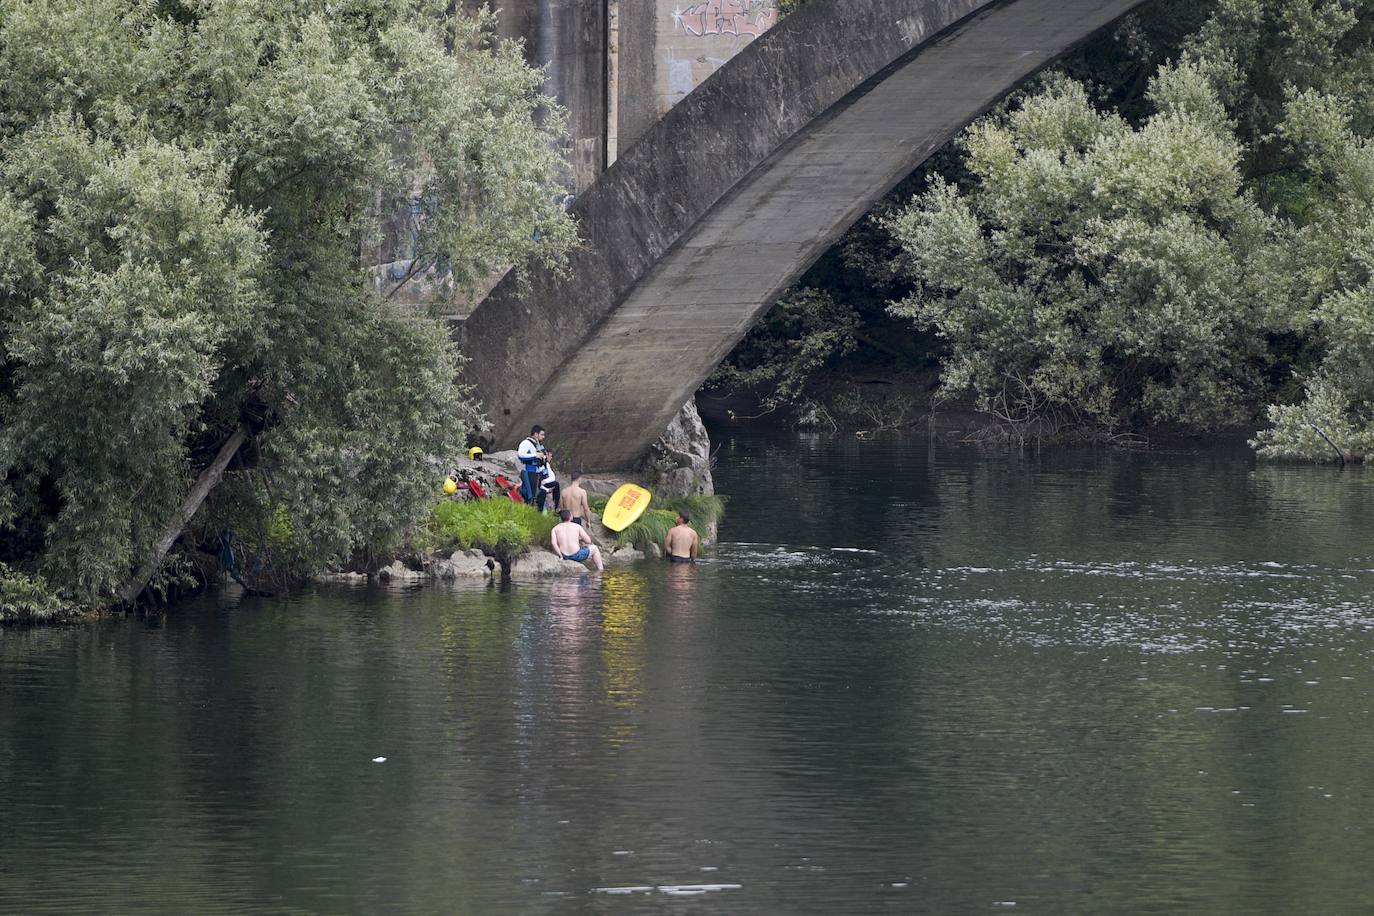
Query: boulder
[601,486]
[541,563]
[399,572]
[602,535]
[623,553]
[507,460]
[465,564]
[679,463]
[352,578]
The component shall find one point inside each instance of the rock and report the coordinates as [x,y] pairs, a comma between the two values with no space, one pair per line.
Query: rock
[679,463]
[352,578]
[654,552]
[541,563]
[602,535]
[465,564]
[624,553]
[601,486]
[507,459]
[399,572]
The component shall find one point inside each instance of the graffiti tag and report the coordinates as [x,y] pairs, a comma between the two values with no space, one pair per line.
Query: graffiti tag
[750,18]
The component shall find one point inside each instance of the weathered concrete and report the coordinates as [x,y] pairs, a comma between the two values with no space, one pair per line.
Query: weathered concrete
[567,39]
[697,228]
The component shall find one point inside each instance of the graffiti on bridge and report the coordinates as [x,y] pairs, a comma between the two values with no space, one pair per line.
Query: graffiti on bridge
[748,18]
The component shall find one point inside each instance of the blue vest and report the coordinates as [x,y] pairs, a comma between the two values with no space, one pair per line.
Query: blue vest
[534,463]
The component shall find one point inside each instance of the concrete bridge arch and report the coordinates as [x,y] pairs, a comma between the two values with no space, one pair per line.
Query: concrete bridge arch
[698,227]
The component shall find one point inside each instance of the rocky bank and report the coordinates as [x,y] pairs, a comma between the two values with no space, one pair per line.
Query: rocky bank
[678,464]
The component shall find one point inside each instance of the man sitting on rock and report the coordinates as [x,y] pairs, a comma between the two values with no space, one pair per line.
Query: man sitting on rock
[572,542]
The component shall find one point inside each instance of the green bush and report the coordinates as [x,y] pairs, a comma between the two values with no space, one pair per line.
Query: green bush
[652,527]
[500,527]
[705,511]
[26,598]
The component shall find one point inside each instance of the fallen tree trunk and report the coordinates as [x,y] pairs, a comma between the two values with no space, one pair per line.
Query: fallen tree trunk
[207,481]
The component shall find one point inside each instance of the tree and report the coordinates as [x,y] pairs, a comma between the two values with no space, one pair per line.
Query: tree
[1332,266]
[1096,274]
[186,192]
[796,339]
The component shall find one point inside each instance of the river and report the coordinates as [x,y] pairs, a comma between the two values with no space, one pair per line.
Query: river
[910,679]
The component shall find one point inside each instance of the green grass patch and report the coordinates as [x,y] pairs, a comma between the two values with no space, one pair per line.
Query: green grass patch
[652,527]
[500,527]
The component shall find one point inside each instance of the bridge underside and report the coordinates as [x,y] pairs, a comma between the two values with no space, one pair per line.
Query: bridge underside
[701,225]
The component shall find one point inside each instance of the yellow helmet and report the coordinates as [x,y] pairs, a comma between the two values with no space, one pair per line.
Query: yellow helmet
[450,486]
[475,452]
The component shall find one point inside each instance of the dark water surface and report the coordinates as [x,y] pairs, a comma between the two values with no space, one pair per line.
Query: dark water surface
[910,680]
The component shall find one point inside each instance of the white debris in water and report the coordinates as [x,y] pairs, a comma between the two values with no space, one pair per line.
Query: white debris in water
[682,890]
[379,760]
[671,890]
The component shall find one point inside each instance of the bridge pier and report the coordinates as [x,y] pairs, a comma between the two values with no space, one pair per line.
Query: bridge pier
[618,66]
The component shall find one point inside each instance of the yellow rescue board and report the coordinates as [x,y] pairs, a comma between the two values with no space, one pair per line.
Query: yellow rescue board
[625,506]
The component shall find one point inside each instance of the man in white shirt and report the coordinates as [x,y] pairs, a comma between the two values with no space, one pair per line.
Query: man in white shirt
[533,461]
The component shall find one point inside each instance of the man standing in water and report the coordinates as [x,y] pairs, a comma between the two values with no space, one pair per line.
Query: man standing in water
[572,542]
[681,543]
[575,501]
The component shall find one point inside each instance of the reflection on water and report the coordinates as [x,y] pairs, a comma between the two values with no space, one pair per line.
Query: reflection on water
[910,680]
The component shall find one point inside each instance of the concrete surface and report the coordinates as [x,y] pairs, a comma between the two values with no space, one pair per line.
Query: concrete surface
[722,204]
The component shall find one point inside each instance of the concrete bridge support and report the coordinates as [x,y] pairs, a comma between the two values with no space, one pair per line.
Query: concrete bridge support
[694,231]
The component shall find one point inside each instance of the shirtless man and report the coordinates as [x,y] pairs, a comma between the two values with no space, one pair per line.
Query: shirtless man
[680,545]
[572,542]
[575,501]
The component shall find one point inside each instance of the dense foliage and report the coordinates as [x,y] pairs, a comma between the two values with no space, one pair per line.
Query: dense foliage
[187,192]
[1171,227]
[28,599]
[1120,274]
[1097,274]
[798,337]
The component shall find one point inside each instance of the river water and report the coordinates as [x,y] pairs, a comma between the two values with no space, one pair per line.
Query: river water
[911,679]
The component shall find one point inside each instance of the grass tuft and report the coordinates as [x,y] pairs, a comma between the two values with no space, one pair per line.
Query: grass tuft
[653,526]
[500,527]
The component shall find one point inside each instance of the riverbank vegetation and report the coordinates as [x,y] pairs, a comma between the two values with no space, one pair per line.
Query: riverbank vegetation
[190,325]
[500,528]
[1171,229]
[652,527]
[28,599]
